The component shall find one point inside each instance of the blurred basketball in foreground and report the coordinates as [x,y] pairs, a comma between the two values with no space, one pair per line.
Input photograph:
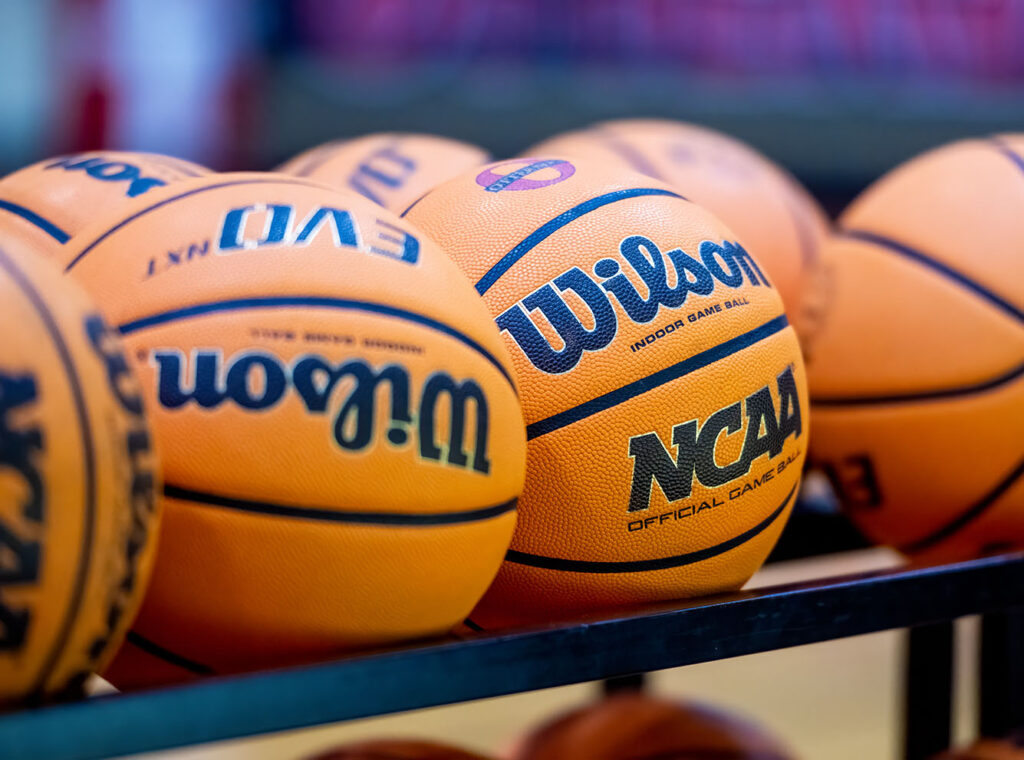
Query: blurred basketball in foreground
[917,373]
[986,749]
[391,169]
[396,749]
[48,202]
[774,217]
[342,436]
[78,508]
[638,727]
[634,320]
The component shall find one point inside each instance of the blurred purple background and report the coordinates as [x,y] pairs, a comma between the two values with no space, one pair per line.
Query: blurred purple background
[838,90]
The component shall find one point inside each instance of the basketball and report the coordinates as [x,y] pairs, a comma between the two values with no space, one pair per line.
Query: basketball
[342,436]
[397,749]
[917,373]
[986,749]
[48,202]
[651,351]
[390,169]
[641,727]
[775,218]
[78,507]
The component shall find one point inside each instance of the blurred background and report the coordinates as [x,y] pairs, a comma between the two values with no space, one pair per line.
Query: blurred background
[836,90]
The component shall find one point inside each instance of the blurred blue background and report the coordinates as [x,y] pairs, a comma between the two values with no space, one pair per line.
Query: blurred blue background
[837,90]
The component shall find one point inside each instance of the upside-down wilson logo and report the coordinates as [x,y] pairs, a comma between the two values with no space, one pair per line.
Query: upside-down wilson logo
[257,381]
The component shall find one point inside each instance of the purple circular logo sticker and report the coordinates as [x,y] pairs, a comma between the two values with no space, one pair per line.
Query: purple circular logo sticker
[493,182]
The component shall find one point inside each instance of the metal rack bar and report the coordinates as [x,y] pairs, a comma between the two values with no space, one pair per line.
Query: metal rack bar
[491,665]
[631,682]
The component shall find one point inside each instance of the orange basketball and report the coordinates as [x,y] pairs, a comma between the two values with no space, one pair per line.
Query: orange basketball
[650,351]
[639,727]
[397,749]
[48,202]
[775,218]
[343,441]
[392,169]
[986,749]
[78,506]
[917,374]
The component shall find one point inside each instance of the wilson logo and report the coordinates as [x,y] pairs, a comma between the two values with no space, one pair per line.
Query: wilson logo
[696,445]
[20,547]
[281,226]
[110,171]
[257,381]
[726,263]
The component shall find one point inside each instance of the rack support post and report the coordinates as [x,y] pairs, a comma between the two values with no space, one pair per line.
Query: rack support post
[928,690]
[1001,672]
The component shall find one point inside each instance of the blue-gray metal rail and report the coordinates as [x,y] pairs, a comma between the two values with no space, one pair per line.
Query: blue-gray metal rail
[491,665]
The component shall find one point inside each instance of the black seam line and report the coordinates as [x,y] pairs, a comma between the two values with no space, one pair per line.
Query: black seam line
[41,222]
[473,626]
[162,653]
[627,152]
[656,379]
[88,469]
[282,179]
[802,225]
[643,565]
[1003,147]
[337,515]
[278,302]
[969,516]
[900,398]
[412,205]
[936,266]
[319,157]
[562,220]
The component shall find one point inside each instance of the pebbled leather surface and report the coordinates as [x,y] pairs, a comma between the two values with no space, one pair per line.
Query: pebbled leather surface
[78,510]
[925,313]
[773,215]
[577,498]
[268,562]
